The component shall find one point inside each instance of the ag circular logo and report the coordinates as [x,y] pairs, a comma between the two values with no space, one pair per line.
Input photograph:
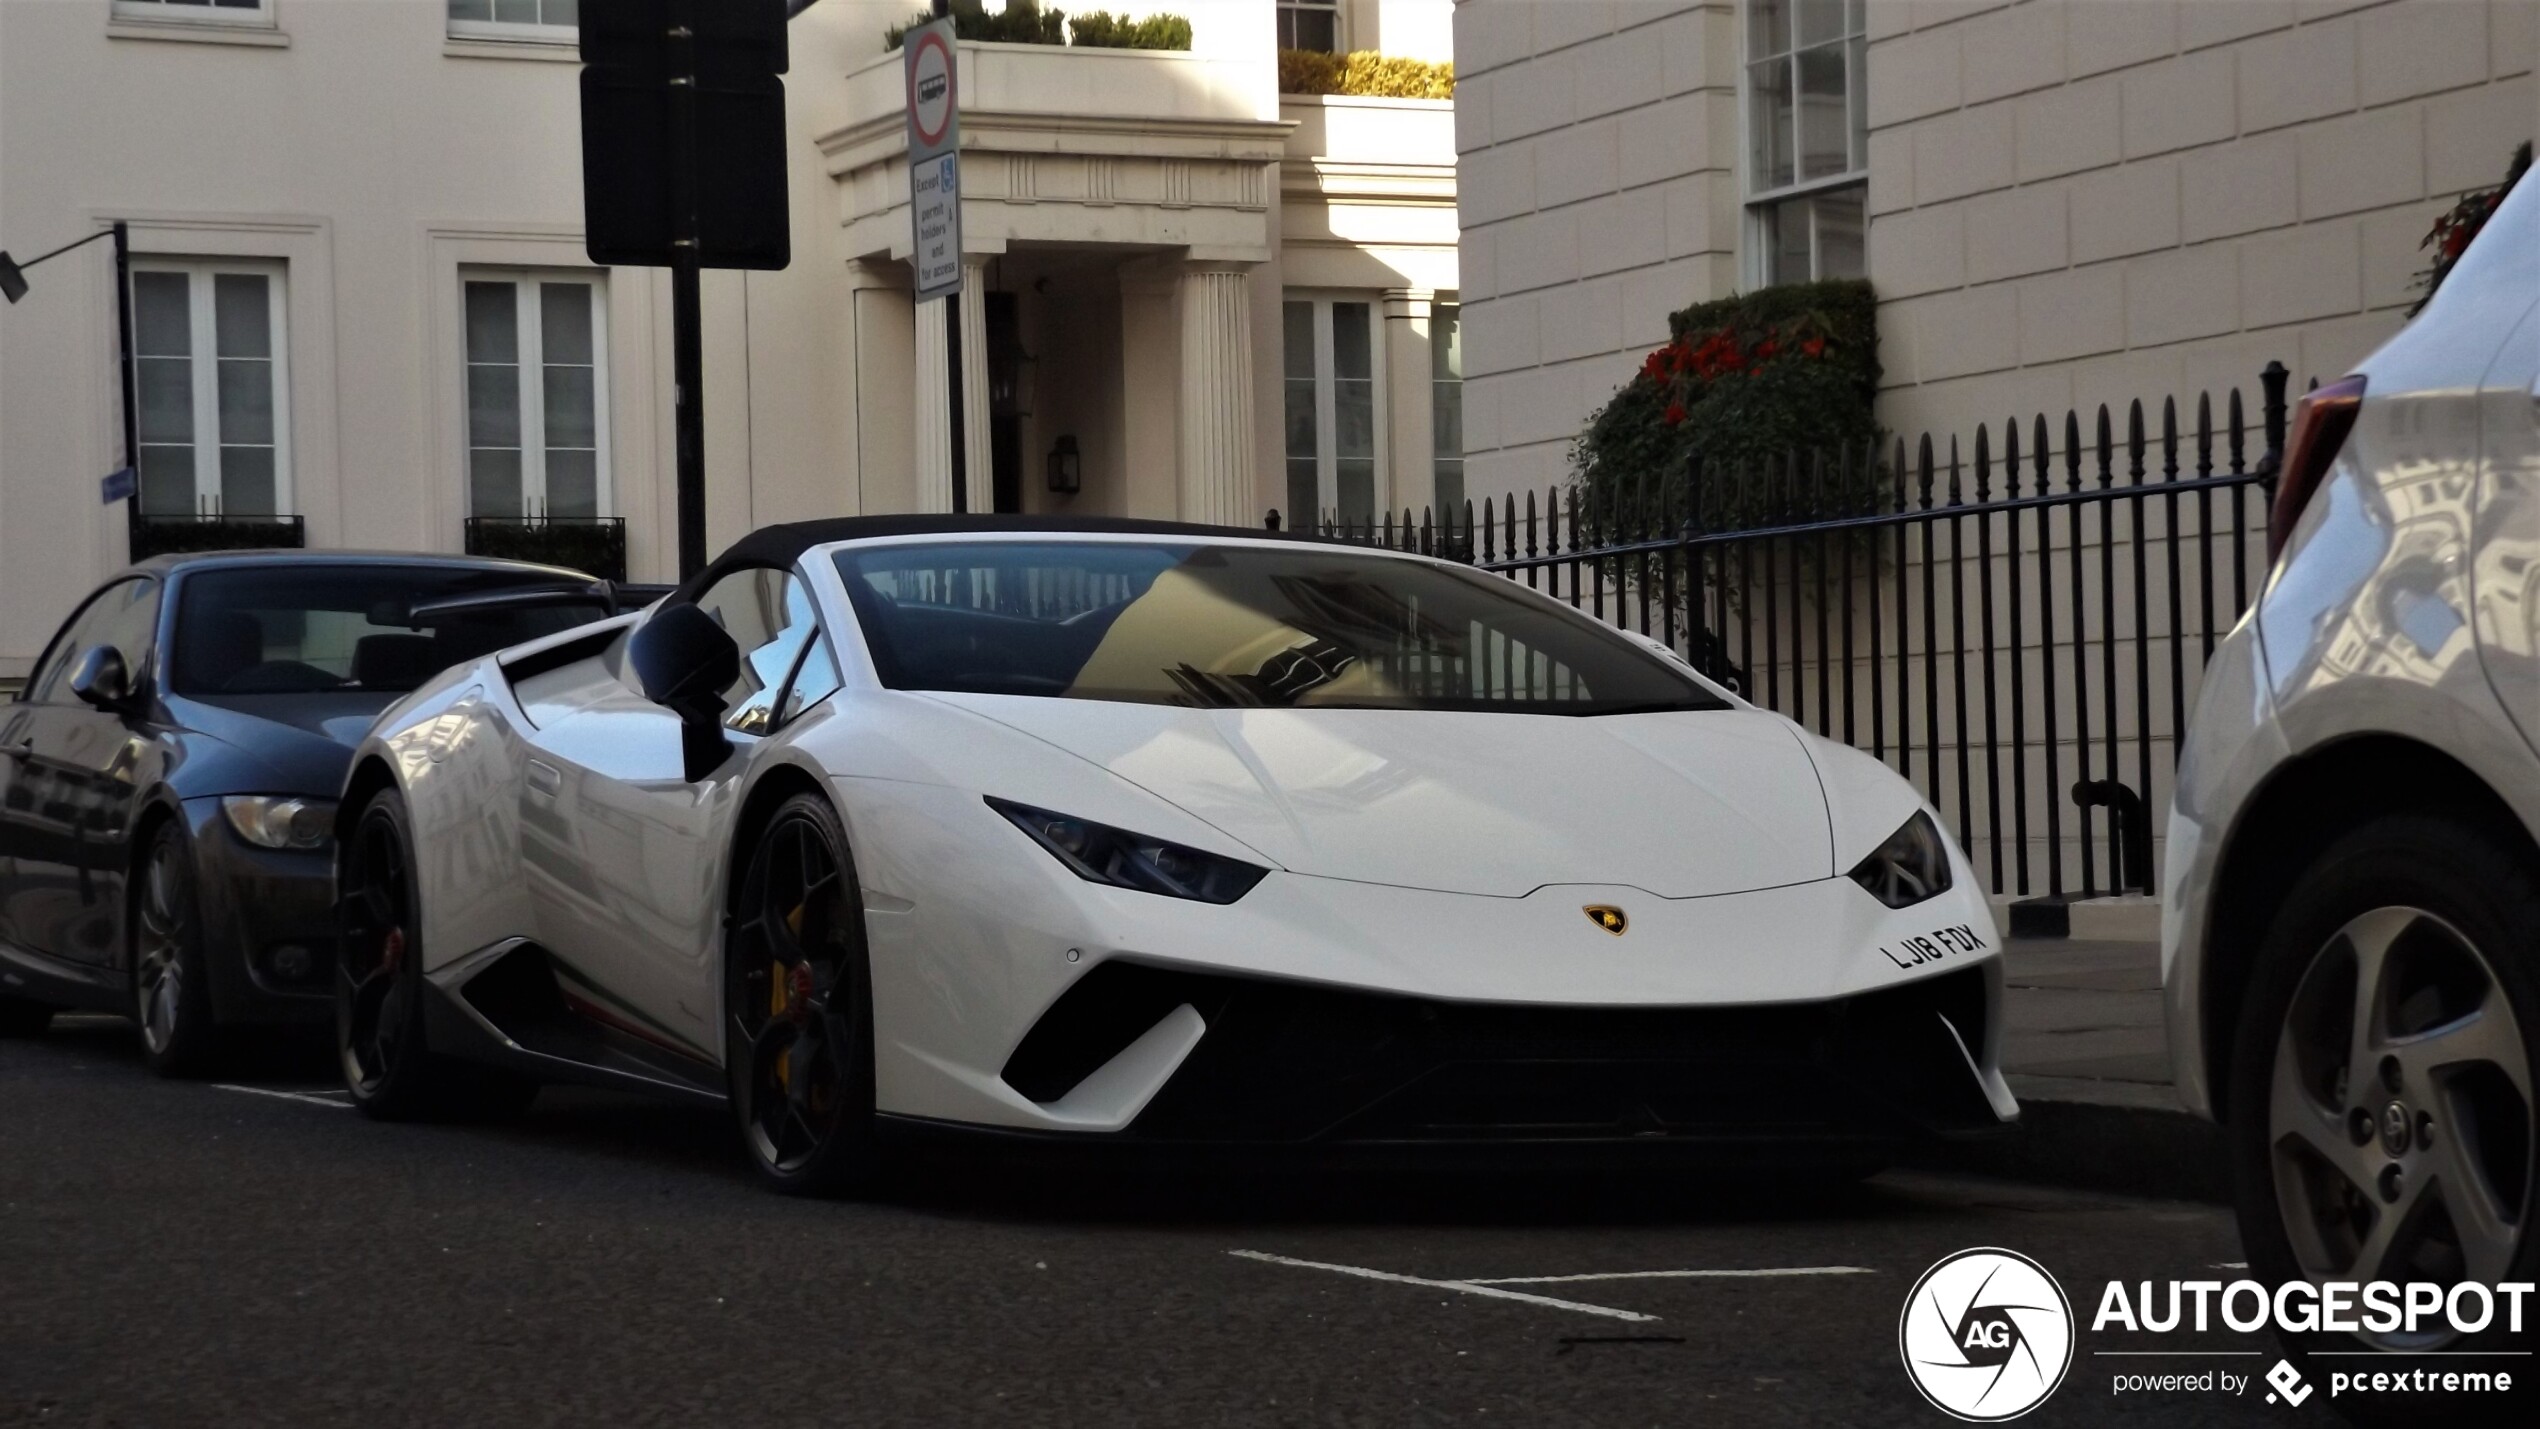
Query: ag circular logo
[1986,1335]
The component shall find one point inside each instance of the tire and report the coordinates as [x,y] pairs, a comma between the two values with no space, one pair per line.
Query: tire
[389,1068]
[21,1018]
[163,940]
[798,1001]
[2421,931]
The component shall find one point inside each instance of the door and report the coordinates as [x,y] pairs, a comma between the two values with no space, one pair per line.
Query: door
[625,856]
[77,775]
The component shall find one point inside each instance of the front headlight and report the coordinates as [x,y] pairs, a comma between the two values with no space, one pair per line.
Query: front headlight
[281,820]
[1099,853]
[1911,866]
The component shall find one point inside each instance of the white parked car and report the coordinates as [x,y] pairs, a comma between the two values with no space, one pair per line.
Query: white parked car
[1133,832]
[2352,911]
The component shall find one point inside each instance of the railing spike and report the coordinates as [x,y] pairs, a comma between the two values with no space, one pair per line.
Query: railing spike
[2134,442]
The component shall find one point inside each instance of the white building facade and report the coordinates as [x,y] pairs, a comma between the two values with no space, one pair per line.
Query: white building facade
[2059,202]
[361,303]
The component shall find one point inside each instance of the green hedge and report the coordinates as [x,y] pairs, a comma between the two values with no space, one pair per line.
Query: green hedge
[1024,22]
[1021,22]
[1365,74]
[1100,29]
[1745,381]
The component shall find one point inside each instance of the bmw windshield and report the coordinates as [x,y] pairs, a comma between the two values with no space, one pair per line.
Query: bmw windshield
[1239,626]
[305,629]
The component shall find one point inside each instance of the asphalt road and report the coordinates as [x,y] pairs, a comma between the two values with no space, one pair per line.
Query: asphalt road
[187,1253]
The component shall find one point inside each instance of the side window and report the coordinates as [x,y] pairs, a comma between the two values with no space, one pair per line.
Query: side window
[814,681]
[769,615]
[121,615]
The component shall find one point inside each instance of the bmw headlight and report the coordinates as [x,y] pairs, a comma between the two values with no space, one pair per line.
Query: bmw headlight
[1099,853]
[1911,866]
[281,820]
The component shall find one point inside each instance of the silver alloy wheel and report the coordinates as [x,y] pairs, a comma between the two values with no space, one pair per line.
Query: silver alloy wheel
[158,954]
[2399,1117]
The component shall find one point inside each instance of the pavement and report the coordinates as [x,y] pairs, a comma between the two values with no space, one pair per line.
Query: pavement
[255,1252]
[2086,1051]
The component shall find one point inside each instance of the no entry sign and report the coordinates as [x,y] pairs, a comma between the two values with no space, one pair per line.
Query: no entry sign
[934,158]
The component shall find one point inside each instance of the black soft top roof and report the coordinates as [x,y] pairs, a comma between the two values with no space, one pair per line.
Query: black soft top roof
[782,545]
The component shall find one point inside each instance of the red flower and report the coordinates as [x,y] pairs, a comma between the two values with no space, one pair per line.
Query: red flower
[1814,347]
[1767,348]
[1675,414]
[1655,365]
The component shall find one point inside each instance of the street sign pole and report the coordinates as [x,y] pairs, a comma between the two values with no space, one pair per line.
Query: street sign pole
[683,167]
[933,75]
[687,346]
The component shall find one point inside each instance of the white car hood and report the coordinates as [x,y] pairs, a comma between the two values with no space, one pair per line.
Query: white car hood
[1679,805]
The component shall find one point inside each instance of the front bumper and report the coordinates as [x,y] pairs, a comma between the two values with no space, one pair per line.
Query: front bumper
[268,920]
[1286,1064]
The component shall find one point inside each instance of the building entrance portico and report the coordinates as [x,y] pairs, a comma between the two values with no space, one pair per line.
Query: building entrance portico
[1116,327]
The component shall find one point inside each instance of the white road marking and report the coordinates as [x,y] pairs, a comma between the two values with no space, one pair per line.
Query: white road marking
[285,1096]
[1462,1287]
[1672,1275]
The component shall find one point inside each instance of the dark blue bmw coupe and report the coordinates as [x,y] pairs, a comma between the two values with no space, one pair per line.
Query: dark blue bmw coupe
[168,775]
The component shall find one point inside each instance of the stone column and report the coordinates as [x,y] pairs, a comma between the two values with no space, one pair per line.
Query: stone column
[933,411]
[1411,439]
[977,468]
[1216,437]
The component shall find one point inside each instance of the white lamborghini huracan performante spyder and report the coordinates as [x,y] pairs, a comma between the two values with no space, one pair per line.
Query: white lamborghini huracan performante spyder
[1142,833]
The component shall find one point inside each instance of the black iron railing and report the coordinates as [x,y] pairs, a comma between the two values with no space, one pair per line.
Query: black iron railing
[2014,626]
[595,545]
[185,535]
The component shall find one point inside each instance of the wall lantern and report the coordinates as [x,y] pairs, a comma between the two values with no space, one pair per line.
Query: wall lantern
[1066,468]
[1013,373]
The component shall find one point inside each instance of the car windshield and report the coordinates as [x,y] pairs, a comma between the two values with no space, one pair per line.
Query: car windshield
[277,630]
[1240,626]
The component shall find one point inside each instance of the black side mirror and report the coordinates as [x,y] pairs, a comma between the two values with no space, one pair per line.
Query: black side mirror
[100,679]
[684,662]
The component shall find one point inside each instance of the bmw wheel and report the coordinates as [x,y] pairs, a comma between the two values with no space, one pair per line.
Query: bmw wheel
[798,995]
[2381,1094]
[172,997]
[379,989]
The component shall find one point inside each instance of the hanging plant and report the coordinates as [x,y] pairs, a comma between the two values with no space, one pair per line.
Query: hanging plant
[2450,237]
[1747,382]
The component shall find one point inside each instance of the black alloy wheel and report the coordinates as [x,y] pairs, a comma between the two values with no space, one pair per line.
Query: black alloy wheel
[171,994]
[2382,1112]
[798,997]
[379,988]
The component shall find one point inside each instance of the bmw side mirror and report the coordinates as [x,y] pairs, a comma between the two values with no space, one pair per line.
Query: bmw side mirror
[683,661]
[101,680]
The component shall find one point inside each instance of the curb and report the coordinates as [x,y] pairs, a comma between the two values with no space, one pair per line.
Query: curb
[2101,1136]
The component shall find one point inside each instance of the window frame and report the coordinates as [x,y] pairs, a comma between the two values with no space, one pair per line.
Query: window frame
[529,353]
[1447,307]
[203,359]
[1758,201]
[258,16]
[1335,8]
[1327,459]
[541,32]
